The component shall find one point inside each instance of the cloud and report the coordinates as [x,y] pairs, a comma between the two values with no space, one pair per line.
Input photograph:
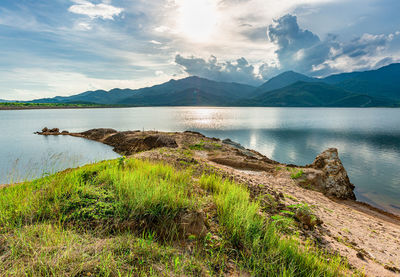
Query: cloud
[365,44]
[229,71]
[289,36]
[102,10]
[303,51]
[155,42]
[298,49]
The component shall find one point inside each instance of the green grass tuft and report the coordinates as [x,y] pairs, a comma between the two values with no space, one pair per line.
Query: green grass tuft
[297,175]
[262,249]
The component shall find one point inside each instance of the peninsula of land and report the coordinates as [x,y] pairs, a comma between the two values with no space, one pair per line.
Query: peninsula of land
[186,204]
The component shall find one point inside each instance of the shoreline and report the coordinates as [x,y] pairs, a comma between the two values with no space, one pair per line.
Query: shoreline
[379,212]
[19,108]
[6,108]
[366,236]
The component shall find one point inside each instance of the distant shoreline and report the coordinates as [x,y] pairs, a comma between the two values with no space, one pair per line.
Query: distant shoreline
[11,108]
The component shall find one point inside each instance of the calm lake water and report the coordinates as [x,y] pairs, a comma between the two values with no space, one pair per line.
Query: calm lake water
[368,139]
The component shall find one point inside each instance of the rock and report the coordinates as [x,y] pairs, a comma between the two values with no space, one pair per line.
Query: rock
[194,133]
[360,255]
[46,131]
[307,219]
[64,132]
[328,175]
[130,142]
[156,141]
[193,224]
[243,151]
[392,268]
[98,134]
[54,130]
[233,144]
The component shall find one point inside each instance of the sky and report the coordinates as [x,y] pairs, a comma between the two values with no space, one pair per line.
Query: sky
[64,47]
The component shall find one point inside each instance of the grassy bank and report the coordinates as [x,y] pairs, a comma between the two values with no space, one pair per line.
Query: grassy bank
[18,105]
[130,217]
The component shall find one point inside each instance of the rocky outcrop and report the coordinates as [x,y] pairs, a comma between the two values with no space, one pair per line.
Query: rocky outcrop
[248,153]
[132,142]
[50,132]
[328,175]
[98,134]
[125,143]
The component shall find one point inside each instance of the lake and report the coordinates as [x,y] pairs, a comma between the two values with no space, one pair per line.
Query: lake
[368,139]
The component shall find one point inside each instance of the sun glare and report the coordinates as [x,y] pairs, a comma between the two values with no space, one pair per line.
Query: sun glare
[197,19]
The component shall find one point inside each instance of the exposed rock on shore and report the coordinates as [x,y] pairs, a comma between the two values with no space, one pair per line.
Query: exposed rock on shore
[328,175]
[129,142]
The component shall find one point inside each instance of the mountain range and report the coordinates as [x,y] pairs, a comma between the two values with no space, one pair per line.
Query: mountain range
[375,88]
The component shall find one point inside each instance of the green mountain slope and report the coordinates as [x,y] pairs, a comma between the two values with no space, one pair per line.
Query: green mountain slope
[283,80]
[303,94]
[358,89]
[162,94]
[381,83]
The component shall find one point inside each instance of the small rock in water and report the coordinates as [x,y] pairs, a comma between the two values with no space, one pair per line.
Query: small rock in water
[54,130]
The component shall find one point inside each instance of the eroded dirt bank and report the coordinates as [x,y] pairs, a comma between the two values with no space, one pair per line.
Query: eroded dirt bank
[368,237]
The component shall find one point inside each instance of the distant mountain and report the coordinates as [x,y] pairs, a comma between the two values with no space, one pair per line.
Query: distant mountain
[373,88]
[218,93]
[283,80]
[93,97]
[304,94]
[201,91]
[381,83]
[5,101]
[186,97]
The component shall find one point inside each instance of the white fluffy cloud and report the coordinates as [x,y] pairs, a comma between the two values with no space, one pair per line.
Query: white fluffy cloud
[302,50]
[229,71]
[102,10]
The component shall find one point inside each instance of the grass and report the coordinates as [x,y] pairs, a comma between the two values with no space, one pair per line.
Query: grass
[296,175]
[261,248]
[48,105]
[106,192]
[198,146]
[122,218]
[203,145]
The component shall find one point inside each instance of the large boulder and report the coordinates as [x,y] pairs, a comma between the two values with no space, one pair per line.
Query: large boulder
[328,175]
